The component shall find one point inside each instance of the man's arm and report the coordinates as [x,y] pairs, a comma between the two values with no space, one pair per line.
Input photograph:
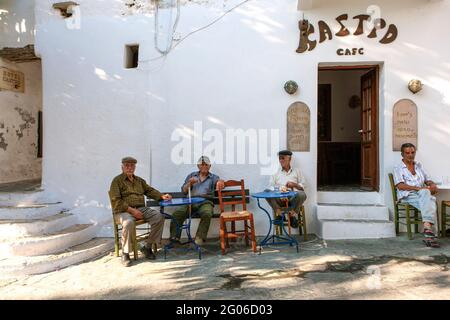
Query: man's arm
[299,184]
[117,203]
[151,192]
[188,182]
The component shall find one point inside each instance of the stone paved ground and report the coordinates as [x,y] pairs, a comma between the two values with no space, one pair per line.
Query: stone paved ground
[357,269]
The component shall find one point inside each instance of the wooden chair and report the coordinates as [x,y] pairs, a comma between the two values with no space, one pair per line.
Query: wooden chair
[301,216]
[136,237]
[235,197]
[405,208]
[445,218]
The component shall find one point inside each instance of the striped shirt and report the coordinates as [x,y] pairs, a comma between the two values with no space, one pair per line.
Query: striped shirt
[402,174]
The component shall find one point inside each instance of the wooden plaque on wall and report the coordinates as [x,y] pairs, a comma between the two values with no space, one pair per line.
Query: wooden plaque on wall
[404,126]
[12,80]
[298,127]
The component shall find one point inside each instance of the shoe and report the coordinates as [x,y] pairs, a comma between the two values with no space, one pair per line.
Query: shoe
[198,241]
[148,253]
[293,221]
[174,240]
[126,261]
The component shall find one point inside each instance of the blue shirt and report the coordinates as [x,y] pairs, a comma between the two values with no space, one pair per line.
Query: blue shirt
[204,187]
[402,174]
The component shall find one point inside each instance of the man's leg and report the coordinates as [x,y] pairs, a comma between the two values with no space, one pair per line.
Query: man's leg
[297,200]
[156,221]
[426,203]
[128,223]
[205,211]
[274,204]
[179,215]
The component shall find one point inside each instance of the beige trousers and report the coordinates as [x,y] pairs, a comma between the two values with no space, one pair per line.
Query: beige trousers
[154,218]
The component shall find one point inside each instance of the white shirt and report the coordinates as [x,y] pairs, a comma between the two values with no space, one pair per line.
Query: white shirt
[402,174]
[281,177]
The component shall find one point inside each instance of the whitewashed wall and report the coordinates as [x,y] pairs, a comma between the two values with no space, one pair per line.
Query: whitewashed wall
[230,75]
[16,23]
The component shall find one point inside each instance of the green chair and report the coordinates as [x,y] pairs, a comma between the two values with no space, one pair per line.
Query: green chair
[136,237]
[404,211]
[445,218]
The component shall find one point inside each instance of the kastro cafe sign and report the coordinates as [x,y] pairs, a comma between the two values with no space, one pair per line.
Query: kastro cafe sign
[379,30]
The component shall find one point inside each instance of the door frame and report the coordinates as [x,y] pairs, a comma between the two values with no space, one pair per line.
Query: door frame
[368,67]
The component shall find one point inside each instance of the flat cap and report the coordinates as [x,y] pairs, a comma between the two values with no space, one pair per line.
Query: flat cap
[285,153]
[129,159]
[203,159]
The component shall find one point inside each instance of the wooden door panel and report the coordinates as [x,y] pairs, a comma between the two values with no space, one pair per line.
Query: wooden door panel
[369,130]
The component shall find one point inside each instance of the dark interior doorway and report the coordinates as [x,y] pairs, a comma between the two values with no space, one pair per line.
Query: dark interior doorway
[347,129]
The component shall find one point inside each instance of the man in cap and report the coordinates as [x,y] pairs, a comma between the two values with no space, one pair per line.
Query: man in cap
[127,199]
[287,178]
[202,183]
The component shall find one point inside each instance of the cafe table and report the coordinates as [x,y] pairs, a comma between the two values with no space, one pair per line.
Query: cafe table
[283,237]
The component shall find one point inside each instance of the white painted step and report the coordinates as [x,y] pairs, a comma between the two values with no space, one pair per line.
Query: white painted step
[24,198]
[341,197]
[355,229]
[352,212]
[21,266]
[31,211]
[14,229]
[47,244]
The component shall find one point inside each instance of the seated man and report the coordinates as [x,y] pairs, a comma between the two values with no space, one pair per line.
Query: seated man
[127,199]
[415,187]
[287,178]
[202,184]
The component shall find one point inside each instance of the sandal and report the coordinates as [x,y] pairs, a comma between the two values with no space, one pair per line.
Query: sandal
[430,239]
[431,243]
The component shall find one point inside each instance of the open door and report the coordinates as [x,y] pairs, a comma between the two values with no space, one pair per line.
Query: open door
[369,130]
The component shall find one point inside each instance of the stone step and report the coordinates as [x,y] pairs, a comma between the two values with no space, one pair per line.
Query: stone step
[342,197]
[355,229]
[47,244]
[14,228]
[21,266]
[352,212]
[30,211]
[24,198]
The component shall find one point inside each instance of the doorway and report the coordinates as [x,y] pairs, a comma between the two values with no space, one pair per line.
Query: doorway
[347,128]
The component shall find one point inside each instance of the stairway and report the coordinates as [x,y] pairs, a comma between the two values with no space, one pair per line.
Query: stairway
[353,215]
[39,235]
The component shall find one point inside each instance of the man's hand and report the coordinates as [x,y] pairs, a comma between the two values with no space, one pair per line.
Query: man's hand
[136,213]
[166,197]
[220,185]
[192,181]
[291,185]
[433,188]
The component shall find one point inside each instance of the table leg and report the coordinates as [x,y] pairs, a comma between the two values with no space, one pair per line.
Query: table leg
[264,241]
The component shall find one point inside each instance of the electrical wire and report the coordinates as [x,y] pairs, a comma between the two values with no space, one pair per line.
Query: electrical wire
[170,36]
[193,32]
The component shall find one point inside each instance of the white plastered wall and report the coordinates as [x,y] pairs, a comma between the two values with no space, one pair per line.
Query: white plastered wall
[229,75]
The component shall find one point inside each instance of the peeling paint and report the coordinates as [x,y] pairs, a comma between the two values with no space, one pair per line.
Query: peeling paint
[28,121]
[3,144]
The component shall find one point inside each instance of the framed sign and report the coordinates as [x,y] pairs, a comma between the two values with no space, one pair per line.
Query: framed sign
[12,80]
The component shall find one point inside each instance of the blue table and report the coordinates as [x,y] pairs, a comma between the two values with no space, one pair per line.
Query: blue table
[186,226]
[282,239]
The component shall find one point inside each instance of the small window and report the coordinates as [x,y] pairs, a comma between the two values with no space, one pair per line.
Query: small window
[131,56]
